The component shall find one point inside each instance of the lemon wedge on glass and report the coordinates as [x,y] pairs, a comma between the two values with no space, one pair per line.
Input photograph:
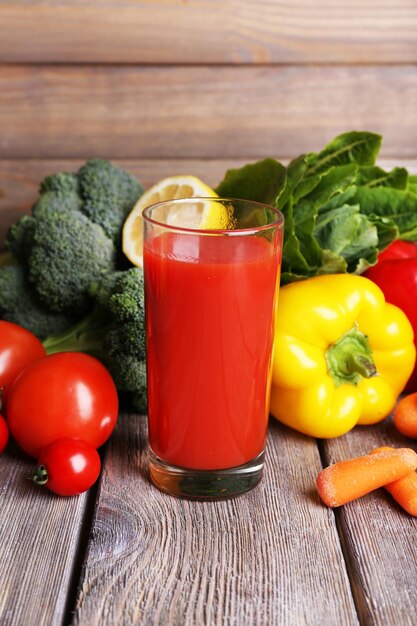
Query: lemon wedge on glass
[205,216]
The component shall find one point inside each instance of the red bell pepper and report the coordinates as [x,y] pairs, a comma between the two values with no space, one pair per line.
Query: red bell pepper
[396,274]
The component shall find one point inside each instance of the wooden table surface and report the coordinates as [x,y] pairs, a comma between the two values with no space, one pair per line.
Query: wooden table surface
[124,553]
[167,87]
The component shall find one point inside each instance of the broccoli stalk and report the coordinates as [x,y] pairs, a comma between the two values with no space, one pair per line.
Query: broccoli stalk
[86,335]
[114,332]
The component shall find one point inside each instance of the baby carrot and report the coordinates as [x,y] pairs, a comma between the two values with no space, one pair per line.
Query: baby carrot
[348,480]
[403,490]
[405,415]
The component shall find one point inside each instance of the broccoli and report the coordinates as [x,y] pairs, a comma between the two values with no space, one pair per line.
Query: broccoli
[51,201]
[63,248]
[125,296]
[114,332]
[19,304]
[58,192]
[62,183]
[109,193]
[19,237]
[129,376]
[68,254]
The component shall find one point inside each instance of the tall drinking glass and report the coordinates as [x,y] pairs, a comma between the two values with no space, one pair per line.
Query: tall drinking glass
[210,303]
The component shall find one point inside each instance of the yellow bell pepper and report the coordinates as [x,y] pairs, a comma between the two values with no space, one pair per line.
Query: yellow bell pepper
[342,355]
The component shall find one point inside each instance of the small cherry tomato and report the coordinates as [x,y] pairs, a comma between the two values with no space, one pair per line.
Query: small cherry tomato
[4,434]
[18,347]
[69,394]
[68,467]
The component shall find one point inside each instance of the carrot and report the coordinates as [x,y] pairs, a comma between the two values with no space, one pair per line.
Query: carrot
[348,480]
[405,415]
[403,490]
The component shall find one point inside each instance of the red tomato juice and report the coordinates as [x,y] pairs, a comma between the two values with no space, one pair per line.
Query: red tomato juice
[209,314]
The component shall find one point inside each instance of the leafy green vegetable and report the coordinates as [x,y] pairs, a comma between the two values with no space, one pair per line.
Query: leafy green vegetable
[262,182]
[294,258]
[295,173]
[376,177]
[355,147]
[387,230]
[349,234]
[335,181]
[340,208]
[400,205]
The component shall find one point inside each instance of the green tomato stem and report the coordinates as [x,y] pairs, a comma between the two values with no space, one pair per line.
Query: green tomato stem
[40,475]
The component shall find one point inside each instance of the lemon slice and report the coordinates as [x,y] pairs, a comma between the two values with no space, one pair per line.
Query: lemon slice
[206,216]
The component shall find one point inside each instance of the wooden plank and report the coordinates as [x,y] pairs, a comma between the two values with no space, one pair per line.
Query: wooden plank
[40,536]
[380,538]
[219,31]
[19,179]
[262,558]
[195,112]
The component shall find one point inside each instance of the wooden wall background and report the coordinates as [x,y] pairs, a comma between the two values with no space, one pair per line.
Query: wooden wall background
[196,86]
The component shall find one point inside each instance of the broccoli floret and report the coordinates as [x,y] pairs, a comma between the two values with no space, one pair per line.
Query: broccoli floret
[129,374]
[19,237]
[108,193]
[69,253]
[126,339]
[104,289]
[62,183]
[114,332]
[19,304]
[58,192]
[126,302]
[54,201]
[139,398]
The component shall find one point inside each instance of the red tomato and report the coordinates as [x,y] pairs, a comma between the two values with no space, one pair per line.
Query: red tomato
[68,467]
[18,347]
[69,394]
[4,434]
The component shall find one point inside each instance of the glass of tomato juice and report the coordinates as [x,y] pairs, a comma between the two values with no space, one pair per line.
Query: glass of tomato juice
[210,298]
